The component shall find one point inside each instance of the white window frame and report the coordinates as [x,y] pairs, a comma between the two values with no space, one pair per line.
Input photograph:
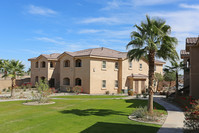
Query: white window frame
[140,66]
[103,84]
[116,83]
[103,64]
[130,65]
[116,65]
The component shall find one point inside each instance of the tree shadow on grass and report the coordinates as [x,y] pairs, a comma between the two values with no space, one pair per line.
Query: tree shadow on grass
[88,112]
[136,103]
[104,127]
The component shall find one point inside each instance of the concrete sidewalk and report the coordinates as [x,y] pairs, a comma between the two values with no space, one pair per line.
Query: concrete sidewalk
[174,120]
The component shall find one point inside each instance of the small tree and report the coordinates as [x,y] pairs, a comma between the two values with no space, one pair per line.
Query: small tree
[175,67]
[158,79]
[42,96]
[169,76]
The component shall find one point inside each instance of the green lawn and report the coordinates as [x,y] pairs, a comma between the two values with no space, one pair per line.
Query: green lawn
[88,96]
[74,116]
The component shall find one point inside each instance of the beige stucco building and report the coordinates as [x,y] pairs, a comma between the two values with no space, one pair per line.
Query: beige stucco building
[191,61]
[97,70]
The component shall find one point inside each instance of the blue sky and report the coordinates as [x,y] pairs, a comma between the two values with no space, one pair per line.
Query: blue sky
[33,27]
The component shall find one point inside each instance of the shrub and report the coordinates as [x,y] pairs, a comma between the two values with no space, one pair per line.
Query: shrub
[145,95]
[130,93]
[4,90]
[191,121]
[43,92]
[28,86]
[143,91]
[107,92]
[68,89]
[142,113]
[77,89]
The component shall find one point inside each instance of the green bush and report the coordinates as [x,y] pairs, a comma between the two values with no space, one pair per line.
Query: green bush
[107,92]
[43,92]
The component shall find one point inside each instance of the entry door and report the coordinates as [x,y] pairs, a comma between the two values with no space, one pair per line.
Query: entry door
[136,86]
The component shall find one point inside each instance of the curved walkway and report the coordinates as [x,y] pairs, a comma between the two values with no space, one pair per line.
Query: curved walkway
[174,120]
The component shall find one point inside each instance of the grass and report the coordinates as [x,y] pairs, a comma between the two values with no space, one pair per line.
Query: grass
[88,96]
[74,116]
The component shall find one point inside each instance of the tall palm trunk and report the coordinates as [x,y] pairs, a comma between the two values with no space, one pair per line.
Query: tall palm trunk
[12,87]
[176,94]
[151,79]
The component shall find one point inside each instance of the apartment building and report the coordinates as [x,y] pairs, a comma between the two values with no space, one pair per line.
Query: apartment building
[97,70]
[191,61]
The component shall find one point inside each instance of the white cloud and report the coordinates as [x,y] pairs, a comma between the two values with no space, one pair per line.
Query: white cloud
[86,31]
[55,41]
[107,20]
[40,10]
[124,33]
[189,6]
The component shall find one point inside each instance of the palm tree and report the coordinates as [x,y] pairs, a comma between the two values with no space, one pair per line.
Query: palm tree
[158,78]
[14,69]
[4,67]
[152,39]
[175,67]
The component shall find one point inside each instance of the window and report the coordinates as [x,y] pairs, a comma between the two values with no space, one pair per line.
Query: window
[155,68]
[103,64]
[116,83]
[51,64]
[130,64]
[43,64]
[140,66]
[66,63]
[103,83]
[78,81]
[36,79]
[43,79]
[66,81]
[37,64]
[116,65]
[78,63]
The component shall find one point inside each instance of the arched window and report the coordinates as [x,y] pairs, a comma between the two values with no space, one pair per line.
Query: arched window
[78,81]
[66,63]
[78,63]
[51,64]
[36,79]
[43,64]
[37,64]
[66,81]
[43,79]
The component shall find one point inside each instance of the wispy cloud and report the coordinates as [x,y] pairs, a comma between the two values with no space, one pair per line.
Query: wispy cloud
[189,6]
[116,4]
[36,10]
[86,31]
[107,20]
[50,40]
[124,33]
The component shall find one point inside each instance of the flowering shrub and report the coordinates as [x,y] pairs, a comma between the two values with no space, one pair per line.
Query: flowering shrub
[77,89]
[191,121]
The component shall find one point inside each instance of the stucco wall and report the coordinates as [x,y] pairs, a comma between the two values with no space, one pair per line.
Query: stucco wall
[73,72]
[194,72]
[110,74]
